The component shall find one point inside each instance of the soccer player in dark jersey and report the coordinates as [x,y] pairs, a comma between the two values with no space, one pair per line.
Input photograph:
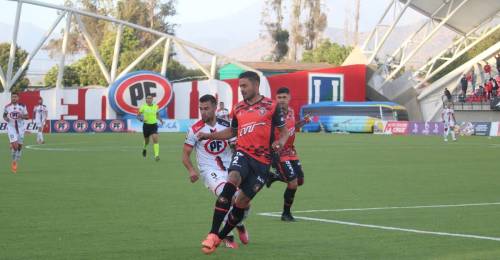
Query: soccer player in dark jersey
[253,122]
[286,163]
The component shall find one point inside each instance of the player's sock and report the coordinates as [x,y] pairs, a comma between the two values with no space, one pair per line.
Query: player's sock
[222,206]
[453,135]
[18,155]
[13,153]
[156,149]
[227,215]
[235,217]
[288,200]
[39,137]
[245,216]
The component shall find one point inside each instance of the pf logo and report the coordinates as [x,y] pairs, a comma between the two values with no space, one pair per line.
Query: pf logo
[130,91]
[61,126]
[80,126]
[117,125]
[98,126]
[215,147]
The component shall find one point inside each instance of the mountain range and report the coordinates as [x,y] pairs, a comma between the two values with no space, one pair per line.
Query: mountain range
[240,35]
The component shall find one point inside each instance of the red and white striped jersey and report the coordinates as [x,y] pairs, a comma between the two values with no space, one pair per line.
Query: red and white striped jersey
[40,113]
[210,154]
[15,113]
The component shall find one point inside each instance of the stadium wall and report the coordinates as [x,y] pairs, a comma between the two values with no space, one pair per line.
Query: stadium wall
[93,102]
[436,128]
[484,116]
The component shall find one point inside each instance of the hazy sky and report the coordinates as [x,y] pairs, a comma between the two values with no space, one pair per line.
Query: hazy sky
[196,11]
[189,11]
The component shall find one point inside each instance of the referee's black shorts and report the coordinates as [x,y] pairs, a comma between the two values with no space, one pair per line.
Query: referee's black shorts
[149,129]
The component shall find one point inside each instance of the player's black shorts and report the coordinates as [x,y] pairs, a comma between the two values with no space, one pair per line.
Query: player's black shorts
[253,173]
[149,129]
[289,170]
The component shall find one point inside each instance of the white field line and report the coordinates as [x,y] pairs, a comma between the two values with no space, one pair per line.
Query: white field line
[80,149]
[389,228]
[395,207]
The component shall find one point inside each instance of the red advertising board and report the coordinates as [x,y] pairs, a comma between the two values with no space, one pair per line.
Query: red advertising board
[396,128]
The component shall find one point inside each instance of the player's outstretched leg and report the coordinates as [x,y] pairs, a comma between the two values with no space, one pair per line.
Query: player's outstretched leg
[222,206]
[234,217]
[39,138]
[144,148]
[19,152]
[242,230]
[453,137]
[229,241]
[13,150]
[288,198]
[156,147]
[156,150]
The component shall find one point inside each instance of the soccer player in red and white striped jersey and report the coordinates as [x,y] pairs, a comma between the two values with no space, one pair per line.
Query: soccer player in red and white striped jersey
[40,114]
[15,114]
[213,157]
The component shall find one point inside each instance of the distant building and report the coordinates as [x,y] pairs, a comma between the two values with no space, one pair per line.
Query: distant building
[231,71]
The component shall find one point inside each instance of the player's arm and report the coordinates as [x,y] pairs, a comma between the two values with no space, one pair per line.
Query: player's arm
[45,115]
[279,122]
[301,123]
[225,134]
[25,115]
[140,114]
[186,160]
[159,118]
[5,117]
[280,143]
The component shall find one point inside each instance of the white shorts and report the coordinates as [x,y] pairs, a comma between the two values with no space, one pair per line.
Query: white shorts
[214,180]
[15,136]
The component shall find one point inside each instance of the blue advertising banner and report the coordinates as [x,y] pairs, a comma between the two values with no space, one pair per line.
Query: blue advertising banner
[88,126]
[168,126]
[482,128]
[426,128]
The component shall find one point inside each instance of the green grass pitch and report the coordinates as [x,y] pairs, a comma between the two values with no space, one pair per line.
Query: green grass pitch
[94,197]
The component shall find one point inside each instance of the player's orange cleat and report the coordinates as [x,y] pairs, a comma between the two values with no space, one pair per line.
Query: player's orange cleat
[13,167]
[230,243]
[243,234]
[209,245]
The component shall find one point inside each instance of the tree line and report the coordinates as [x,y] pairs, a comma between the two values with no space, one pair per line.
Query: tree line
[307,24]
